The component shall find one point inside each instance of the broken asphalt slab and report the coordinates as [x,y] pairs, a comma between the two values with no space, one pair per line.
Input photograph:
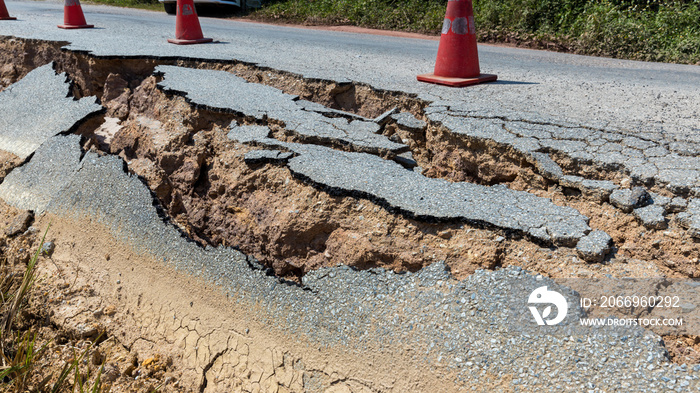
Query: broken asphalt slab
[646,158]
[38,107]
[399,189]
[33,185]
[366,175]
[223,91]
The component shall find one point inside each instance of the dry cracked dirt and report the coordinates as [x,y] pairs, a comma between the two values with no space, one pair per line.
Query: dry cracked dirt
[155,330]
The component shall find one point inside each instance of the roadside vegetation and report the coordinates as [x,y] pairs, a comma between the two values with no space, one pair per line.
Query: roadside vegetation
[153,5]
[650,30]
[23,350]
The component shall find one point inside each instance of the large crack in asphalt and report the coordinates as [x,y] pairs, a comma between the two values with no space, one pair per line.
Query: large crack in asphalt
[471,152]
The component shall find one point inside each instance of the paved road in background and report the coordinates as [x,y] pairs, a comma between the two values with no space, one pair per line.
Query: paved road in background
[597,92]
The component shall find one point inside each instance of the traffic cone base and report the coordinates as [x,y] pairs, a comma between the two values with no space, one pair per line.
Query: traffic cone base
[8,18]
[76,26]
[189,42]
[456,82]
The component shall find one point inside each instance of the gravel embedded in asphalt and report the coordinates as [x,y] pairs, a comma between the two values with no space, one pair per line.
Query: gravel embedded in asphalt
[651,216]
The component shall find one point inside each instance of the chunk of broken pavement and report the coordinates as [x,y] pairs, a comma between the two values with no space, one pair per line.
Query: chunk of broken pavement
[265,156]
[594,246]
[651,216]
[599,190]
[19,224]
[384,117]
[628,200]
[408,121]
[248,133]
[677,204]
[660,200]
[406,159]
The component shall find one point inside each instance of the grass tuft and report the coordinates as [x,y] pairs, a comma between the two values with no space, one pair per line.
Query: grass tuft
[20,354]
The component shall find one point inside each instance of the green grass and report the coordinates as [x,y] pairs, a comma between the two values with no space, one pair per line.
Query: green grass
[20,354]
[408,15]
[652,30]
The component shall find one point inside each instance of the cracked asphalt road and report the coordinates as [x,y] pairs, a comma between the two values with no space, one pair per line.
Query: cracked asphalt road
[30,119]
[220,90]
[636,118]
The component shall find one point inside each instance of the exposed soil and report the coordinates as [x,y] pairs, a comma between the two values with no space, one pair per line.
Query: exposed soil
[69,319]
[8,161]
[683,349]
[201,181]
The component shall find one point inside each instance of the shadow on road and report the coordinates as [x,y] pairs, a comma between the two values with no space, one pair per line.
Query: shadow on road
[506,82]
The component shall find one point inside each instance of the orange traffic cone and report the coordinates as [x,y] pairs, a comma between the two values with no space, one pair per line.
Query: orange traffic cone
[187,28]
[73,17]
[457,61]
[4,15]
